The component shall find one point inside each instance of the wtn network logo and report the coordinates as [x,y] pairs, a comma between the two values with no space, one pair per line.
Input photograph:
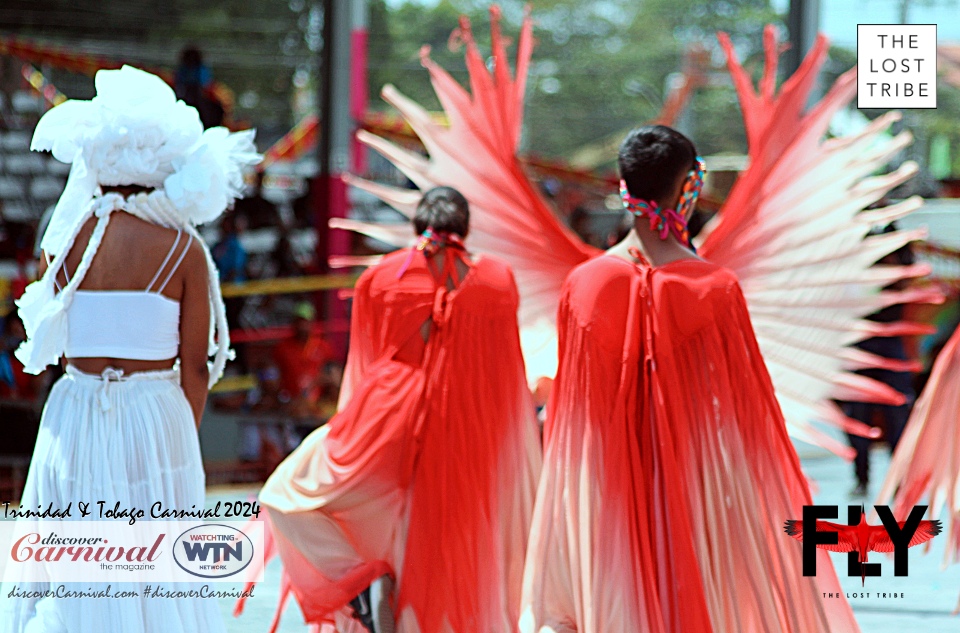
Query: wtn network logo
[213,551]
[858,538]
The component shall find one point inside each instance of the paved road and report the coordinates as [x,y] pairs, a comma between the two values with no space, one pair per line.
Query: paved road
[929,593]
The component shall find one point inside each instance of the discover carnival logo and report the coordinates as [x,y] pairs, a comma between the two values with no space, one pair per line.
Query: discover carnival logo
[118,552]
[213,551]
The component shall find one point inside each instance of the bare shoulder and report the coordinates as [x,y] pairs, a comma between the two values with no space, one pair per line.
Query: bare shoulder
[135,228]
[195,256]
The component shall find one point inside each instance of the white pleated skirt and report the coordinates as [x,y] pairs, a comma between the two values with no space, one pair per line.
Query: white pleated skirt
[127,439]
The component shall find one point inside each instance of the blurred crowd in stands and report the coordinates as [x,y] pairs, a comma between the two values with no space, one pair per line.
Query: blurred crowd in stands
[291,346]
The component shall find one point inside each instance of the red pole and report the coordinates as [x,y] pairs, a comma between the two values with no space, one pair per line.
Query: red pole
[359,96]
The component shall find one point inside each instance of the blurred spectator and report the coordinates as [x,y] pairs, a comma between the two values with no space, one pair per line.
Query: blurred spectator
[936,342]
[193,83]
[304,214]
[20,393]
[580,223]
[303,361]
[255,209]
[285,261]
[550,187]
[231,260]
[228,253]
[15,384]
[266,395]
[16,240]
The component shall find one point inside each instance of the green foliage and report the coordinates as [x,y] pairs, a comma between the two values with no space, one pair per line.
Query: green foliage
[943,121]
[598,69]
[925,125]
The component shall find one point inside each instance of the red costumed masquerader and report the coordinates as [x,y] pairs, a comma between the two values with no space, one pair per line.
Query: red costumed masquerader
[792,237]
[668,470]
[428,472]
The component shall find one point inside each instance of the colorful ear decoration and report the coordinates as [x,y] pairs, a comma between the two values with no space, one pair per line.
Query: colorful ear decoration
[666,221]
[430,242]
[692,188]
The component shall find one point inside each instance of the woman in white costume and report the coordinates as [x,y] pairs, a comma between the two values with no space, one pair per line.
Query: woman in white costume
[129,298]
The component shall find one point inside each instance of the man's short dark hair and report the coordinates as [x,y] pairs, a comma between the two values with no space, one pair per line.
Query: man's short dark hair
[445,210]
[651,159]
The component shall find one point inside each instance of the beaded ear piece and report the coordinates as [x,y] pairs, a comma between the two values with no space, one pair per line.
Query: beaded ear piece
[666,221]
[430,242]
[692,188]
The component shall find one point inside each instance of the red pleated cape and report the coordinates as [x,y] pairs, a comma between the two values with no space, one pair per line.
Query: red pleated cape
[668,472]
[429,470]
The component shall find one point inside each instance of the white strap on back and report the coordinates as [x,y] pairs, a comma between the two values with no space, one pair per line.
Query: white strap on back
[66,276]
[176,265]
[165,261]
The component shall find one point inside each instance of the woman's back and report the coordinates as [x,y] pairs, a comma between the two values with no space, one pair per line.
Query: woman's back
[143,296]
[130,256]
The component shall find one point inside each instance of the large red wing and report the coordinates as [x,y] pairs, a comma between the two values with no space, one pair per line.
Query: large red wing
[880,541]
[794,231]
[476,152]
[846,539]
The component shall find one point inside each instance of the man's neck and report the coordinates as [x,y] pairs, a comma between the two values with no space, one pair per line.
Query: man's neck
[657,251]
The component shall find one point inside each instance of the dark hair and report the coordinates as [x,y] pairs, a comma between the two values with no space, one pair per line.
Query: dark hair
[191,57]
[651,159]
[445,210]
[126,190]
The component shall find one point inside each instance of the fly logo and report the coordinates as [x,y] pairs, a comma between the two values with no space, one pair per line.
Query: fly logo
[213,551]
[858,538]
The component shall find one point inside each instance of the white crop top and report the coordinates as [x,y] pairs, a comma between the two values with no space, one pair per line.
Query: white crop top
[129,324]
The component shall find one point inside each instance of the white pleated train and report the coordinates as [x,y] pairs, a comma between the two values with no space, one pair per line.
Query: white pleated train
[127,439]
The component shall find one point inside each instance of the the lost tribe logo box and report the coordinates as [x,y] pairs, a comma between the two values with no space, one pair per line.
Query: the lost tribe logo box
[858,538]
[896,66]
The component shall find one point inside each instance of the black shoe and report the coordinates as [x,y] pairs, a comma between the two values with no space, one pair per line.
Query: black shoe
[860,490]
[362,611]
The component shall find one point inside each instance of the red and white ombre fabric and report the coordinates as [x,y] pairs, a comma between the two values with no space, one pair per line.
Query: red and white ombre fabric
[926,464]
[428,472]
[668,471]
[793,229]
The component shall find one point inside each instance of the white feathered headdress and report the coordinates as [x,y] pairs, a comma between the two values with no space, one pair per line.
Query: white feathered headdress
[134,132]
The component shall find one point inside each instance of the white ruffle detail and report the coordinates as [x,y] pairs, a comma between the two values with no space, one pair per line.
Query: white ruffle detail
[43,317]
[210,175]
[44,312]
[131,132]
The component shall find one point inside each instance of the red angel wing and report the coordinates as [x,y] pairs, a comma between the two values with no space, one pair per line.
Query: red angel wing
[927,460]
[880,540]
[477,154]
[846,537]
[794,231]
